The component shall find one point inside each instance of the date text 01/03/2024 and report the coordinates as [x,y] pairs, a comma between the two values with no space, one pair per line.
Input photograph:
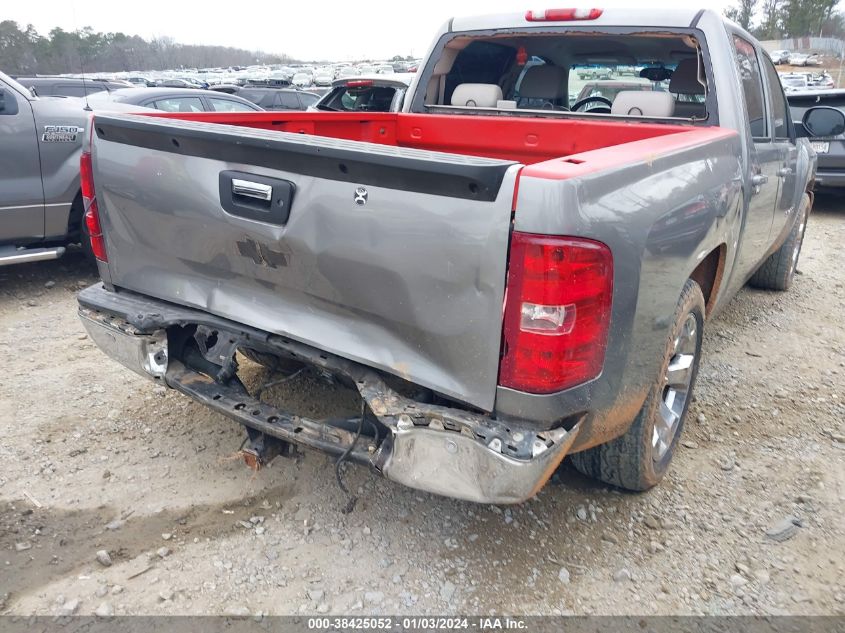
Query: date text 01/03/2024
[424,623]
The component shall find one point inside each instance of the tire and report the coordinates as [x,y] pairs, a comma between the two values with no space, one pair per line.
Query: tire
[637,460]
[778,271]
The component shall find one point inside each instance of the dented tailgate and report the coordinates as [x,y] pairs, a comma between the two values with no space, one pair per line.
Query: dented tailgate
[391,257]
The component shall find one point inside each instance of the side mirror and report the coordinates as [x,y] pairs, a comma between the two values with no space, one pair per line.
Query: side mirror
[824,121]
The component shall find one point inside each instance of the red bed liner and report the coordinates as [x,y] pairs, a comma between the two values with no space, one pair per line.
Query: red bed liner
[553,148]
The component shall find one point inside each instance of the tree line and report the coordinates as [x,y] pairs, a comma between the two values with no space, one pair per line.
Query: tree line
[780,19]
[24,51]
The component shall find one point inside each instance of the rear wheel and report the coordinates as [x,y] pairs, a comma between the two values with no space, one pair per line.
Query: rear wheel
[778,271]
[639,459]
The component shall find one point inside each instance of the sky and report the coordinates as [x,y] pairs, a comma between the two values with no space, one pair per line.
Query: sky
[320,29]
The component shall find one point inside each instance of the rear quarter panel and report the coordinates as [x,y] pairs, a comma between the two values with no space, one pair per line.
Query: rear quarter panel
[660,216]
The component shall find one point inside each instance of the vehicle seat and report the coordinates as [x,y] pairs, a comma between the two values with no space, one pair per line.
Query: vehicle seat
[544,87]
[684,81]
[643,103]
[476,95]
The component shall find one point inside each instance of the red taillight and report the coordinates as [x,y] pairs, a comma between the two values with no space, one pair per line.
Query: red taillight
[89,201]
[562,15]
[359,83]
[557,312]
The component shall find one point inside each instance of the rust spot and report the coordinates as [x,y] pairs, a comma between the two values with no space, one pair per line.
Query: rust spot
[251,459]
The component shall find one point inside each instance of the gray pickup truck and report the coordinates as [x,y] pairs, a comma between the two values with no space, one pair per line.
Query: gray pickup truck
[502,278]
[40,200]
[41,139]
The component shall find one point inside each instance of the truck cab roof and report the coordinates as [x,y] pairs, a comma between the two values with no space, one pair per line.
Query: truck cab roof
[607,17]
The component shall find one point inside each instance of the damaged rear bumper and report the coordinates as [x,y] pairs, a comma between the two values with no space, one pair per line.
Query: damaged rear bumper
[439,449]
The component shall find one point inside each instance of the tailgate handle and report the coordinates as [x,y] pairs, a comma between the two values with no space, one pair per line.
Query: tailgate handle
[252,189]
[256,197]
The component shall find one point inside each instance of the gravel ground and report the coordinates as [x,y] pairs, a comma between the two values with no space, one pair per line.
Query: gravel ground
[119,497]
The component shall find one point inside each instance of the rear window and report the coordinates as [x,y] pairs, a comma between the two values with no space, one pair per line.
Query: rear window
[363,99]
[287,100]
[558,67]
[179,104]
[228,105]
[308,99]
[251,95]
[264,98]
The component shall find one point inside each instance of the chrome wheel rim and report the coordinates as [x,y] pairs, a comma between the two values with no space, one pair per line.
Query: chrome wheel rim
[676,388]
[797,248]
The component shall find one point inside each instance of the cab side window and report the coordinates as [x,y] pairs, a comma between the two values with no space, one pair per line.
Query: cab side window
[752,86]
[780,108]
[8,103]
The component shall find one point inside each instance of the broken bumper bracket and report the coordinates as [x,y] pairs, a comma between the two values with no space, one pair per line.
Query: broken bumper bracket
[444,450]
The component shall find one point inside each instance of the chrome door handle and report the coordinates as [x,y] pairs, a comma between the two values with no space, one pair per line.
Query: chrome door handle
[759,179]
[251,189]
[785,171]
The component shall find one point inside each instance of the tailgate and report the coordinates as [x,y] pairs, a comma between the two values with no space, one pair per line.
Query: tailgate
[391,257]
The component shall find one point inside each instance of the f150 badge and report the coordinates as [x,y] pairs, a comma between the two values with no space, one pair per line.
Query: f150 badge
[61,133]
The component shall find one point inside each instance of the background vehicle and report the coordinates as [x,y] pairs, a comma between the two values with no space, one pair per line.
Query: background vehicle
[498,283]
[594,72]
[141,82]
[279,78]
[279,98]
[829,147]
[821,81]
[780,56]
[348,71]
[377,93]
[798,59]
[230,89]
[323,78]
[183,83]
[69,87]
[302,80]
[41,203]
[177,100]
[793,82]
[624,69]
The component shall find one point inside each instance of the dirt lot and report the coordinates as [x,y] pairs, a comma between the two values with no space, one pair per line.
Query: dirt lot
[95,458]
